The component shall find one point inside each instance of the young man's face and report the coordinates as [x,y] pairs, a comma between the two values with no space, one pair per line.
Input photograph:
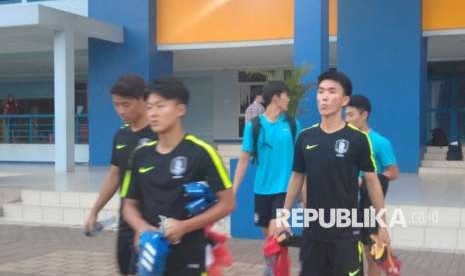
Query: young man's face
[163,114]
[129,109]
[330,98]
[282,101]
[356,116]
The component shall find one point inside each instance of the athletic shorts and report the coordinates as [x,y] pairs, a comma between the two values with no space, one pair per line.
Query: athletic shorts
[319,258]
[188,257]
[365,202]
[126,256]
[265,208]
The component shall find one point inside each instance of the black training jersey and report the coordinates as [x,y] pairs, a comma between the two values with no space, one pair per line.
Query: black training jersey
[332,162]
[156,180]
[124,142]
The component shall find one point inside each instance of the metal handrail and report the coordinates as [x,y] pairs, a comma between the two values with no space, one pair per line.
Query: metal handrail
[38,128]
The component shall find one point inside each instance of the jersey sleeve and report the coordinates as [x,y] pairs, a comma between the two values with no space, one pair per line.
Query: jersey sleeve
[366,159]
[114,158]
[247,138]
[299,160]
[385,154]
[214,171]
[298,128]
[129,185]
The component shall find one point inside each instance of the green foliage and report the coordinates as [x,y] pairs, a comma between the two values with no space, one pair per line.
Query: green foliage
[293,77]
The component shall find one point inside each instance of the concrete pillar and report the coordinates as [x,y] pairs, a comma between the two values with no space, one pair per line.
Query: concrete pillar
[311,49]
[382,49]
[63,58]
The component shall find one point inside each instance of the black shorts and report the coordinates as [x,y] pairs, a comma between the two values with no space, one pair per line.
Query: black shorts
[365,203]
[265,208]
[127,257]
[331,258]
[188,257]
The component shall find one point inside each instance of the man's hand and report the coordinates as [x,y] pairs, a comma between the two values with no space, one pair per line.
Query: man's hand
[383,236]
[89,224]
[276,230]
[174,230]
[139,232]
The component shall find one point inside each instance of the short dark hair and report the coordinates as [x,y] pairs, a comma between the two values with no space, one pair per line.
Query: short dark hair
[360,102]
[129,86]
[273,88]
[168,88]
[339,77]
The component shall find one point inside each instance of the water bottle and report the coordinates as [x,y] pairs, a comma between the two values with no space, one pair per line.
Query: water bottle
[100,225]
[154,250]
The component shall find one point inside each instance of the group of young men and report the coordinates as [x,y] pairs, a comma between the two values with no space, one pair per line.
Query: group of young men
[153,157]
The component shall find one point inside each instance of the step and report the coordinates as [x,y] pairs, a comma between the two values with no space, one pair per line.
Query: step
[55,215]
[434,156]
[430,228]
[65,199]
[8,195]
[430,149]
[442,164]
[229,147]
[424,170]
[64,209]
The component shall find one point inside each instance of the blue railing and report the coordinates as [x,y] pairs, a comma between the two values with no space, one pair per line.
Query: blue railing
[38,128]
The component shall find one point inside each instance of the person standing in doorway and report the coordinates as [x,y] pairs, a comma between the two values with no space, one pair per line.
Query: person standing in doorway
[256,108]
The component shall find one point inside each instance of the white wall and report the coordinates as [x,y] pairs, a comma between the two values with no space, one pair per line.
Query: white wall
[225,91]
[38,153]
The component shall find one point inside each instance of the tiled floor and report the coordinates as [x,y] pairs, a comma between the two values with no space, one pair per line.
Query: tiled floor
[40,251]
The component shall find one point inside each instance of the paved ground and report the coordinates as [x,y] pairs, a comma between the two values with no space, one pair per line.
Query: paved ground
[34,251]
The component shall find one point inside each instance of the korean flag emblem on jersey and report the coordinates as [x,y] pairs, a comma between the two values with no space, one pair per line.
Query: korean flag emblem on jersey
[178,166]
[341,147]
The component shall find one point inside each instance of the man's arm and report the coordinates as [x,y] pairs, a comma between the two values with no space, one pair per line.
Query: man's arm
[133,216]
[240,170]
[176,229]
[109,188]
[377,199]
[391,172]
[303,193]
[293,189]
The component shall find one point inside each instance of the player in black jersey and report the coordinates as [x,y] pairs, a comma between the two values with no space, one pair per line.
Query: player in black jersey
[331,154]
[158,172]
[128,99]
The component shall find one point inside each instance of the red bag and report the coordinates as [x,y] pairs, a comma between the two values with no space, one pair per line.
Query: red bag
[282,263]
[220,253]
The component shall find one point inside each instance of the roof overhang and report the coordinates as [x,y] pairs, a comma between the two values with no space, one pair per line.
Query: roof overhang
[39,16]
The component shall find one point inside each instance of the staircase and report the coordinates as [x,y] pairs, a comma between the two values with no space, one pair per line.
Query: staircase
[228,152]
[55,208]
[66,209]
[434,162]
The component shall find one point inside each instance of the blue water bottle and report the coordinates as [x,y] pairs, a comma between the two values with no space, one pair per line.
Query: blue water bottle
[154,250]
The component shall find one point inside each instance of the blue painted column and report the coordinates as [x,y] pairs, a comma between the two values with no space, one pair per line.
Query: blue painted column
[107,61]
[311,42]
[381,48]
